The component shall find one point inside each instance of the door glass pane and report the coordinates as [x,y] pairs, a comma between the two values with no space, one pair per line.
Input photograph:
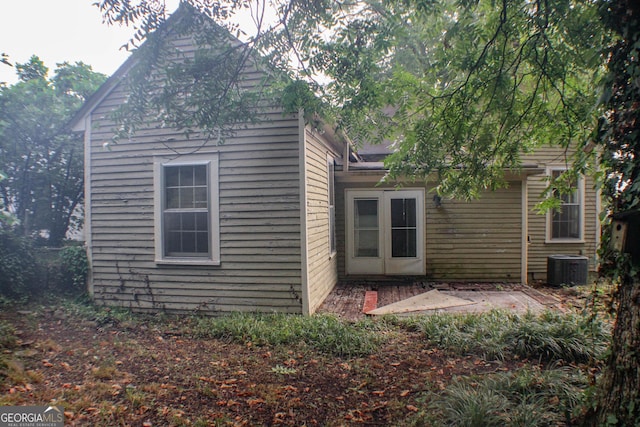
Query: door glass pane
[366,232]
[403,228]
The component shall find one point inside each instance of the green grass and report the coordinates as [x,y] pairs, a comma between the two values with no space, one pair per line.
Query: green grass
[497,335]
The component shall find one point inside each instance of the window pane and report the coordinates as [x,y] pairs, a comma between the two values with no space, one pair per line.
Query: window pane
[403,212]
[403,243]
[186,175]
[188,242]
[200,175]
[173,198]
[202,242]
[186,198]
[188,222]
[202,221]
[200,196]
[366,213]
[366,232]
[366,243]
[172,222]
[173,243]
[171,177]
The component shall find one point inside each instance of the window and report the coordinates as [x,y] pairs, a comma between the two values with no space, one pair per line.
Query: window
[187,228]
[565,224]
[332,206]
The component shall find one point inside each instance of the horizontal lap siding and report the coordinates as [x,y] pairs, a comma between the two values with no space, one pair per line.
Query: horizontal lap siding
[478,240]
[539,249]
[321,269]
[259,220]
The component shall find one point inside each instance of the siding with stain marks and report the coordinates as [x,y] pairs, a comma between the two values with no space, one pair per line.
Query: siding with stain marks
[322,272]
[259,208]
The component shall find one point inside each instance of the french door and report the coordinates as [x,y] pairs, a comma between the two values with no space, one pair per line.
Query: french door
[385,232]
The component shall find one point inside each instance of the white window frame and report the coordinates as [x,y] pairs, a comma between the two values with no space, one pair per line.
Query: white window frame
[211,161]
[581,202]
[331,203]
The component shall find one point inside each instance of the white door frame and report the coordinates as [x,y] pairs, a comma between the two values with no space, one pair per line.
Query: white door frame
[384,263]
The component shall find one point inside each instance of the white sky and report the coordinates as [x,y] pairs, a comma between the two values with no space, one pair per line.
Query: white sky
[63,30]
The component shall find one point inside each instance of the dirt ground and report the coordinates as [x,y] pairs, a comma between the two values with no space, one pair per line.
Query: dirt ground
[141,374]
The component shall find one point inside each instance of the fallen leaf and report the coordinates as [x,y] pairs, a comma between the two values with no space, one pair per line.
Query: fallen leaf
[254,402]
[404,393]
[411,408]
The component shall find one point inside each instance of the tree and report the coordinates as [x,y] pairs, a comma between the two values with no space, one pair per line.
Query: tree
[618,133]
[463,88]
[42,161]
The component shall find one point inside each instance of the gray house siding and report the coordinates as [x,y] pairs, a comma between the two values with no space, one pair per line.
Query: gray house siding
[321,264]
[259,216]
[540,247]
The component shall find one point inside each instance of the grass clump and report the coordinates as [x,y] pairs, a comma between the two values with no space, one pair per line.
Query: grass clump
[325,333]
[496,335]
[8,339]
[529,397]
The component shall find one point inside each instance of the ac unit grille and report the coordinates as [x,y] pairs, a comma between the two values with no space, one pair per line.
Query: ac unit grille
[568,270]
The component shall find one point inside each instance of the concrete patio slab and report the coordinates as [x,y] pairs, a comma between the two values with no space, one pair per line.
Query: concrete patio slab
[347,298]
[427,301]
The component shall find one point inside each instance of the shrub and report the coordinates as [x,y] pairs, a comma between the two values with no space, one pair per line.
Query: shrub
[17,266]
[553,337]
[327,334]
[527,397]
[75,267]
[496,335]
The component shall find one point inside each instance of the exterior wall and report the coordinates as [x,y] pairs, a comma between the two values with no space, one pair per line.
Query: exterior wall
[478,240]
[260,228]
[539,247]
[322,274]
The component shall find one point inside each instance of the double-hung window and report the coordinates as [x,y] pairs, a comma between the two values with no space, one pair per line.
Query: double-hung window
[565,224]
[187,229]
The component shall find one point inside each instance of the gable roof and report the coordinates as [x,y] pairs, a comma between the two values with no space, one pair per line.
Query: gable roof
[77,123]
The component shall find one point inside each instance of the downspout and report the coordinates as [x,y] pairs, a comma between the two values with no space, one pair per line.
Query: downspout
[304,250]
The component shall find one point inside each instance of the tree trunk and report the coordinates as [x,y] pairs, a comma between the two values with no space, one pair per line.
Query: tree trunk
[619,402]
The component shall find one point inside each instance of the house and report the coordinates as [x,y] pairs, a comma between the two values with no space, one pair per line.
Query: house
[272,219]
[500,237]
